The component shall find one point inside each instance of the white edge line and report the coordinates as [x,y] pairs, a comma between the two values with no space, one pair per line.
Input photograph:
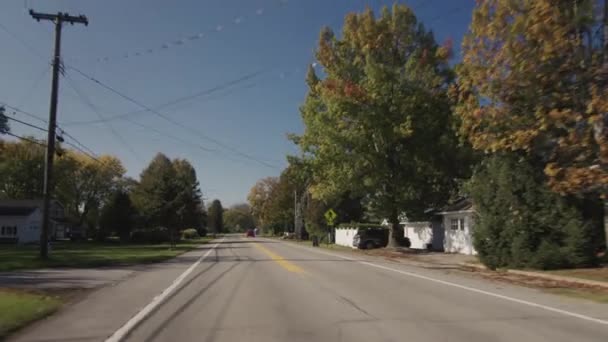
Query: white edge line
[123,331]
[463,287]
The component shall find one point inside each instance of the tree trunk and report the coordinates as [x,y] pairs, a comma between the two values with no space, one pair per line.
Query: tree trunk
[393,234]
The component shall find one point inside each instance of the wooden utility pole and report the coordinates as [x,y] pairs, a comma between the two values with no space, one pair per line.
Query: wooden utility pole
[58,19]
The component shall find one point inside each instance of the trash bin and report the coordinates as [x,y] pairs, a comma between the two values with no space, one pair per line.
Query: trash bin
[315,241]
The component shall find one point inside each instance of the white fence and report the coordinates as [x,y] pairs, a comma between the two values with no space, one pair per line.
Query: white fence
[344,236]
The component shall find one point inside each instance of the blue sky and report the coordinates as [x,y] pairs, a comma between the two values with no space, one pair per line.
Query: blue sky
[239,37]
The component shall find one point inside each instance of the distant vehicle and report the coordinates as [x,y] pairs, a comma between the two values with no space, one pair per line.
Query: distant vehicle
[369,238]
[250,233]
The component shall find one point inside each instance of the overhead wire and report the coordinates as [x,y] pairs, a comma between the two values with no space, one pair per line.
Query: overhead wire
[202,93]
[170,120]
[25,123]
[25,139]
[82,149]
[91,106]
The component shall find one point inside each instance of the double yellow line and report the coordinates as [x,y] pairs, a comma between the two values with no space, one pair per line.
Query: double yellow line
[280,260]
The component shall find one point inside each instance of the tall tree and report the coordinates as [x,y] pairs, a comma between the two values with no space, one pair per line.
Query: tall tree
[533,80]
[189,202]
[238,218]
[378,124]
[260,197]
[216,217]
[118,216]
[156,192]
[84,183]
[4,126]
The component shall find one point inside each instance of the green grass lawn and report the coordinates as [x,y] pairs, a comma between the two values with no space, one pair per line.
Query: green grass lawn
[19,309]
[90,254]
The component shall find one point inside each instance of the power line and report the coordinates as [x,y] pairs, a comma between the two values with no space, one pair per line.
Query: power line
[26,123]
[76,141]
[87,102]
[25,139]
[170,120]
[84,152]
[88,153]
[170,136]
[205,92]
[2,103]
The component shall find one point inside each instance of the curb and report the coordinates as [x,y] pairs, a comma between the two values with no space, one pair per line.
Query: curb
[578,281]
[561,278]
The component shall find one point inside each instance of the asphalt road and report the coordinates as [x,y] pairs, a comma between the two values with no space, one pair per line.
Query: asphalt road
[263,290]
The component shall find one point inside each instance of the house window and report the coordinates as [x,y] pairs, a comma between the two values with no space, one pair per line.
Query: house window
[454,224]
[457,224]
[8,230]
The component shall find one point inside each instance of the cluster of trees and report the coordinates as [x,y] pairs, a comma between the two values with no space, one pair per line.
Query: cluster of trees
[520,125]
[532,95]
[96,193]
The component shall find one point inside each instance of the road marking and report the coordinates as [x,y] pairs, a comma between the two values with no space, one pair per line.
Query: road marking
[121,333]
[280,260]
[463,287]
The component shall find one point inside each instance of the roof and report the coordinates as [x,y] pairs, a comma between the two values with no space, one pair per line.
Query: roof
[16,211]
[462,204]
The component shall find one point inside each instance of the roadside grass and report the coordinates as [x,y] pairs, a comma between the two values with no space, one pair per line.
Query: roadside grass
[20,308]
[91,254]
[597,274]
[588,294]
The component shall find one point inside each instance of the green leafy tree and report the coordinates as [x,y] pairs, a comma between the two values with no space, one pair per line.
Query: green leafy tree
[238,218]
[533,79]
[118,216]
[216,217]
[155,195]
[378,124]
[83,183]
[189,202]
[4,126]
[21,170]
[521,223]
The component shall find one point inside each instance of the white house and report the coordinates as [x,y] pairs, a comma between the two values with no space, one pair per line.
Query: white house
[458,224]
[21,221]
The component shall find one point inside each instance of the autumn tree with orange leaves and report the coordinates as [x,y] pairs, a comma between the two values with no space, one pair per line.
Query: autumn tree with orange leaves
[534,79]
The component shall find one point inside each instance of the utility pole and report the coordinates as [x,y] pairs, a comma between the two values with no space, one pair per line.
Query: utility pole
[58,19]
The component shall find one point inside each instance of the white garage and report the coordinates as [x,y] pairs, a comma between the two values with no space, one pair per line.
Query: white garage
[458,224]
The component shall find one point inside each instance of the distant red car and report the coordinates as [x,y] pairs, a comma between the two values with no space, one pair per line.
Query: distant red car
[250,233]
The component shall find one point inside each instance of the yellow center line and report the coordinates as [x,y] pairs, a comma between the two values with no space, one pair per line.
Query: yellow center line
[280,260]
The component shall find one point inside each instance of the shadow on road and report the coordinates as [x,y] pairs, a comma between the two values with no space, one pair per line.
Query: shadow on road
[187,304]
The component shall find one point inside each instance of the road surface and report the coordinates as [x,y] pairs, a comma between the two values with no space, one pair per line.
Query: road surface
[240,289]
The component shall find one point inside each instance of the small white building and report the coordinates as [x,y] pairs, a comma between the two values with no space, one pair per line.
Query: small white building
[458,224]
[21,221]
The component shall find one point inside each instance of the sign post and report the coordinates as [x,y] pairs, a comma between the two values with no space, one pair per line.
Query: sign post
[330,218]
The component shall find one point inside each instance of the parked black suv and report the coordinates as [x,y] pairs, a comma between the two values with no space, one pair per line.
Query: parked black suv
[368,238]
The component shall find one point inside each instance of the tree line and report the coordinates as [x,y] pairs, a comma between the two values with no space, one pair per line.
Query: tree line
[97,195]
[519,125]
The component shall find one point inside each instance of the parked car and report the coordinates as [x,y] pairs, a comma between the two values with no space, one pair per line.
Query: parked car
[250,233]
[369,238]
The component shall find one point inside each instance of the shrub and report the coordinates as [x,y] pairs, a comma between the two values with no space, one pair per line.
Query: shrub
[189,234]
[202,232]
[520,223]
[155,235]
